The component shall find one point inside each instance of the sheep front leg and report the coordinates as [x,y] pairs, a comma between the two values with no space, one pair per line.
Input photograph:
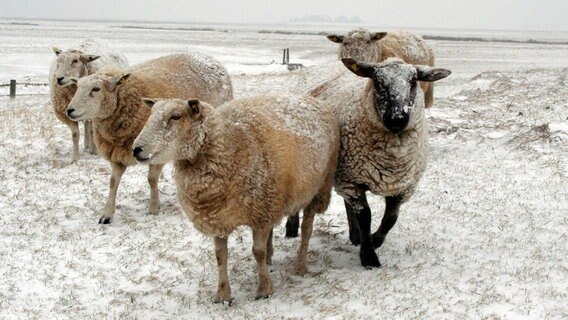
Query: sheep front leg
[307,226]
[369,258]
[118,170]
[260,240]
[354,235]
[153,177]
[389,219]
[74,127]
[223,287]
[292,225]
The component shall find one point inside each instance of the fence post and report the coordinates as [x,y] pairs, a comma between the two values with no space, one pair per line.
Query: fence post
[284,56]
[12,89]
[287,55]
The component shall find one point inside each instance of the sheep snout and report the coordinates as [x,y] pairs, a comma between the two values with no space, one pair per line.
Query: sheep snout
[138,153]
[396,122]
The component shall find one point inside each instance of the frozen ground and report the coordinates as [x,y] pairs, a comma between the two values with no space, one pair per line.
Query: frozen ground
[485,236]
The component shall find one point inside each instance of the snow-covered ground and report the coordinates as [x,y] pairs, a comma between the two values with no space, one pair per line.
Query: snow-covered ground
[484,237]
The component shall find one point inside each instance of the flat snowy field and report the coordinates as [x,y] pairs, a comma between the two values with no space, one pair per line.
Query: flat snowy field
[484,237]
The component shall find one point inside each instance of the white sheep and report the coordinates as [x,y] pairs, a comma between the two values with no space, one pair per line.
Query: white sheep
[365,46]
[384,144]
[87,58]
[249,162]
[112,99]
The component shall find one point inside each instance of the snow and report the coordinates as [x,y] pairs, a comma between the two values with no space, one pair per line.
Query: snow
[484,236]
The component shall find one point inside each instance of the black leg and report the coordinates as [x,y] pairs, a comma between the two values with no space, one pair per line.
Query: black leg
[354,235]
[367,253]
[292,225]
[389,219]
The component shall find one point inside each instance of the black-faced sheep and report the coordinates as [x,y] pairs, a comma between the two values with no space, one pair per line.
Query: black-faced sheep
[240,164]
[384,145]
[112,99]
[365,46]
[89,57]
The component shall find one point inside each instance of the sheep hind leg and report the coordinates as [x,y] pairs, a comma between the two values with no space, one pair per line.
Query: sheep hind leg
[318,205]
[301,266]
[389,219]
[269,249]
[223,286]
[367,254]
[260,241]
[153,176]
[118,170]
[74,126]
[292,225]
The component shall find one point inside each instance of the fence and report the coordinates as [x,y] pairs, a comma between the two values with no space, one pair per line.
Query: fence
[13,86]
[286,61]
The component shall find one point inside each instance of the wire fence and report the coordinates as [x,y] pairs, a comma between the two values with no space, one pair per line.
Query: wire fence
[13,86]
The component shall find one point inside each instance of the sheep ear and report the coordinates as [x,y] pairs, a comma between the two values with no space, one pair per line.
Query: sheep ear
[335,38]
[122,79]
[361,69]
[86,58]
[429,74]
[194,108]
[149,102]
[376,36]
[56,50]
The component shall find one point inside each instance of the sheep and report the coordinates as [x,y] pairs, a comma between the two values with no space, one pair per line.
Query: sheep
[89,57]
[240,164]
[362,45]
[384,145]
[112,99]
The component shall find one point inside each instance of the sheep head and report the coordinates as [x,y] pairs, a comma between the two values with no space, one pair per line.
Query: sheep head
[358,44]
[174,131]
[71,64]
[96,96]
[395,86]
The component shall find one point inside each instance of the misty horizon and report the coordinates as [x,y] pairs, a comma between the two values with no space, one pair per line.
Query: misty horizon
[529,15]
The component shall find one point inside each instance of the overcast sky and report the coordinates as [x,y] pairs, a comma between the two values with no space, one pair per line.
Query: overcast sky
[474,14]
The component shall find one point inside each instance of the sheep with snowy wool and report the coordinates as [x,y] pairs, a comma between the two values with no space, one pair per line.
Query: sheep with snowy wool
[87,58]
[384,145]
[239,165]
[112,99]
[365,46]
[384,139]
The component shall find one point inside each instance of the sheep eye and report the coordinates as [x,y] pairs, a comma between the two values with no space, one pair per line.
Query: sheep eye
[74,61]
[175,117]
[96,89]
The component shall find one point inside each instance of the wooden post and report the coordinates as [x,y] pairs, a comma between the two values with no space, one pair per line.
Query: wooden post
[287,55]
[284,56]
[12,89]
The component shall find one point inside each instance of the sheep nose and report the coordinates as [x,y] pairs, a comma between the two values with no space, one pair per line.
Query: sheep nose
[136,151]
[70,111]
[396,124]
[59,79]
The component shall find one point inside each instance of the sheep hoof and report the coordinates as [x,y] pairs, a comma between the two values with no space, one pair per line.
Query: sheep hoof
[105,220]
[300,270]
[228,301]
[370,260]
[262,296]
